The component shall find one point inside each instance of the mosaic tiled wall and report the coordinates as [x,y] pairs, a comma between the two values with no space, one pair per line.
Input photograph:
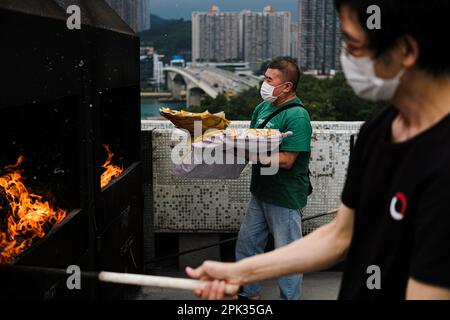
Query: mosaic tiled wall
[317,125]
[192,205]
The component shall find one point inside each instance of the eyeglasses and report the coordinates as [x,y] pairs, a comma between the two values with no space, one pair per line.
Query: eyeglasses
[355,52]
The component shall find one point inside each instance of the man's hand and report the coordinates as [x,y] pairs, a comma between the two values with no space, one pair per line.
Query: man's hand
[219,274]
[319,250]
[283,160]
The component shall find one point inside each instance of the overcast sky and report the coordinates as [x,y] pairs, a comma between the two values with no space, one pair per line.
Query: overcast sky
[184,8]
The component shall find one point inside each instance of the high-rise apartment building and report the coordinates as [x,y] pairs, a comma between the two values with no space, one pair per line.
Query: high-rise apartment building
[143,15]
[246,36]
[127,10]
[320,37]
[295,41]
[215,36]
[265,35]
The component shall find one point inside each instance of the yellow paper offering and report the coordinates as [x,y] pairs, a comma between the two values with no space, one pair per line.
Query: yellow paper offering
[186,120]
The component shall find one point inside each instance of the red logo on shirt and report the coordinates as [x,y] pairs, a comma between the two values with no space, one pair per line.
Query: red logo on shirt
[398,212]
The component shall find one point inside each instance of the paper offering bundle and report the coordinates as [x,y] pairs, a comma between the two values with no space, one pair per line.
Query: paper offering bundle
[187,120]
[221,154]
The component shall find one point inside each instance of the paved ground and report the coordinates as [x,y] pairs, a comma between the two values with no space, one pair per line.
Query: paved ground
[316,286]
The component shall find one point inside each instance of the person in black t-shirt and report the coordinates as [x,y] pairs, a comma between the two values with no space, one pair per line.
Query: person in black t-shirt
[393,227]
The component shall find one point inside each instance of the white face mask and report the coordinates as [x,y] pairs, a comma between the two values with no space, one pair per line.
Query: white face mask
[267,92]
[360,74]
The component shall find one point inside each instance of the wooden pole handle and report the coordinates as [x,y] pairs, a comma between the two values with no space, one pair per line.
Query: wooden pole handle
[161,282]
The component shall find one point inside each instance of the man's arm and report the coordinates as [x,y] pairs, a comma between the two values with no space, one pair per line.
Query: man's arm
[319,250]
[417,290]
[284,160]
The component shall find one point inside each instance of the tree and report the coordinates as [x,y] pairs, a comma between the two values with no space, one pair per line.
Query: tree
[329,99]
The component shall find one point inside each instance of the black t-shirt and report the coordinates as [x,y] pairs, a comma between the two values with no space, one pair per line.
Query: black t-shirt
[401,196]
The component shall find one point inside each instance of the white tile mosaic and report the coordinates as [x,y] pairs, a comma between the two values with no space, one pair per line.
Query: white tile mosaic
[193,205]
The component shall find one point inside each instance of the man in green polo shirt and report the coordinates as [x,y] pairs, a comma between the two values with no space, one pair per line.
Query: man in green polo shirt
[278,200]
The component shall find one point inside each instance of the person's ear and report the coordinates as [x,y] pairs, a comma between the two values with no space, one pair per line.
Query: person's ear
[411,51]
[289,87]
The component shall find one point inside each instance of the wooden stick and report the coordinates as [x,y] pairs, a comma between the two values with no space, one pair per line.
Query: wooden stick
[162,282]
[122,278]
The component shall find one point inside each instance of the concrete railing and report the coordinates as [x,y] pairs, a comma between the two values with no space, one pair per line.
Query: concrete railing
[193,205]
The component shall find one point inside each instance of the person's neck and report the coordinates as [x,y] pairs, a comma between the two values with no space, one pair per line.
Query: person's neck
[283,99]
[424,103]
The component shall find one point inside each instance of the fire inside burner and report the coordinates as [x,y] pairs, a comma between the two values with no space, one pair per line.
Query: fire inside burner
[111,170]
[24,216]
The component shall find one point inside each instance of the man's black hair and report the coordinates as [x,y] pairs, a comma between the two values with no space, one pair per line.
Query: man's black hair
[289,68]
[427,21]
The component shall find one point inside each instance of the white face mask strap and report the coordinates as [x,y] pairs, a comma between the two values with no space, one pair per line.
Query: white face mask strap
[267,91]
[283,85]
[400,74]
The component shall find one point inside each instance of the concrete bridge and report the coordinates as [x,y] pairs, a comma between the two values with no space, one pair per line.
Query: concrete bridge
[196,82]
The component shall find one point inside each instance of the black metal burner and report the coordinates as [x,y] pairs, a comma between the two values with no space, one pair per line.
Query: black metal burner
[67,93]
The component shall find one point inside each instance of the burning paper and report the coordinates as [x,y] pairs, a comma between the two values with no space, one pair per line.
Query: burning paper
[111,170]
[27,215]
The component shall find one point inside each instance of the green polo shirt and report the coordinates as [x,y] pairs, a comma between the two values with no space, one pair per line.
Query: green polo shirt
[287,188]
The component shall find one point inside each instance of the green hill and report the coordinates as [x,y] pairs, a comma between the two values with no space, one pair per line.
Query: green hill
[157,20]
[169,37]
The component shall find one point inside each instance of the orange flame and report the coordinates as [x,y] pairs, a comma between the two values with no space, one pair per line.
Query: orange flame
[112,171]
[28,216]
